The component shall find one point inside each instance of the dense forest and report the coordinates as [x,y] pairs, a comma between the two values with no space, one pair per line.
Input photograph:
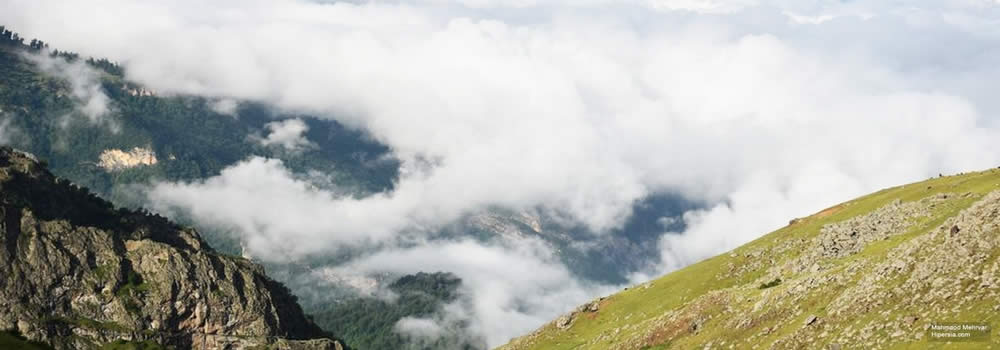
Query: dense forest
[369,322]
[196,140]
[192,140]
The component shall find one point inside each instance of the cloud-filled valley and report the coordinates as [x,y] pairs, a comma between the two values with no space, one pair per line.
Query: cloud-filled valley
[759,111]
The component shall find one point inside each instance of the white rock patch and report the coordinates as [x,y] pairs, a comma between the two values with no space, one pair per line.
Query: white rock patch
[116,159]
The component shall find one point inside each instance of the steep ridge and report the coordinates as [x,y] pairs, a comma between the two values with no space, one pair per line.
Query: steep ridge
[75,273]
[892,270]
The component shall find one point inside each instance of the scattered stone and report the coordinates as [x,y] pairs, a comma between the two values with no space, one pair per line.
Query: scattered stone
[945,270]
[696,325]
[815,268]
[594,306]
[850,236]
[564,321]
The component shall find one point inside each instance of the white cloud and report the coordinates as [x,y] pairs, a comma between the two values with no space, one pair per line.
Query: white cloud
[801,19]
[225,106]
[7,131]
[419,328]
[289,133]
[580,109]
[702,6]
[515,288]
[84,86]
[281,216]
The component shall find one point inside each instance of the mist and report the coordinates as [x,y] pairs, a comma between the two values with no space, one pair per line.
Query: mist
[763,110]
[8,131]
[84,85]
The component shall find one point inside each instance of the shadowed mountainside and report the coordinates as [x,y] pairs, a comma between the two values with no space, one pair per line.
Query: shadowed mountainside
[80,274]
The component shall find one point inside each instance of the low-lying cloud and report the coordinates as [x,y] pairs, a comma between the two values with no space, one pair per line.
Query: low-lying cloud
[225,106]
[514,287]
[765,110]
[421,328]
[8,132]
[84,86]
[280,215]
[289,134]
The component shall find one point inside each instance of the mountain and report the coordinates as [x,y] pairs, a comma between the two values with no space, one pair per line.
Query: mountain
[105,132]
[146,137]
[78,274]
[899,269]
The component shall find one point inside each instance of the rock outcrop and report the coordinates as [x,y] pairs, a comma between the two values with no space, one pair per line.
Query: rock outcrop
[77,273]
[879,272]
[116,159]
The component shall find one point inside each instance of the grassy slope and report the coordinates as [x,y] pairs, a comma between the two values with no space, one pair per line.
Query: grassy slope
[9,341]
[625,320]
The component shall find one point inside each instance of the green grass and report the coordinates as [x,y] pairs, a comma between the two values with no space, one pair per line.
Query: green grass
[131,345]
[134,285]
[638,307]
[10,340]
[13,341]
[771,284]
[103,272]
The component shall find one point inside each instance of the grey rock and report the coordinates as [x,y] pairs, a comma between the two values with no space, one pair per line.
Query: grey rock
[564,321]
[77,272]
[594,306]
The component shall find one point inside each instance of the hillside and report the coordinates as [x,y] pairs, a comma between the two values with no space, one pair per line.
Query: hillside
[182,138]
[141,136]
[185,138]
[872,273]
[80,274]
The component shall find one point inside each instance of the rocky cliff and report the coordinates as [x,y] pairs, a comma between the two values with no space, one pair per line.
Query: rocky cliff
[76,273]
[911,267]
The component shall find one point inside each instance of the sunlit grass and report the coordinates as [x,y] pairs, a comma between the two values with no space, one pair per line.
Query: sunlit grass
[636,307]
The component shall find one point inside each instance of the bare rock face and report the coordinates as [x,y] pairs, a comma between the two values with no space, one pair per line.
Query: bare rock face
[77,273]
[116,159]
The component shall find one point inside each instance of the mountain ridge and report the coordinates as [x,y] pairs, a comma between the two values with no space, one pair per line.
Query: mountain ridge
[875,272]
[80,273]
[157,144]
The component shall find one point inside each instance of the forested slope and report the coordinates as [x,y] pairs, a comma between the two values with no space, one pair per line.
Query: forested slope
[43,112]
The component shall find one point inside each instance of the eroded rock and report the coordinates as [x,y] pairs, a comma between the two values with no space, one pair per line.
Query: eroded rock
[78,272]
[116,159]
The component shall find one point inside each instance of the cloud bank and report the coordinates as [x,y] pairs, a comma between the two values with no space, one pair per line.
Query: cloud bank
[514,287]
[420,328]
[766,110]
